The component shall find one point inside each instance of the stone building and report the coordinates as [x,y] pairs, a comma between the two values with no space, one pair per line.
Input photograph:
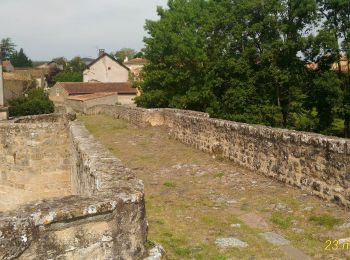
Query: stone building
[61,91]
[82,103]
[7,66]
[136,65]
[21,80]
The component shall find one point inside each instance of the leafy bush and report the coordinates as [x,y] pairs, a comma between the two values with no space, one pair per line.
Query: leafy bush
[68,76]
[35,103]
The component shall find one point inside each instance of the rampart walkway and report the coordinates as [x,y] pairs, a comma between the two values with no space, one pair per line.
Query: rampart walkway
[200,207]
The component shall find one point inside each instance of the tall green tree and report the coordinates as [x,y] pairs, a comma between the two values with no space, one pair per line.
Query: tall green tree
[177,54]
[336,26]
[20,59]
[76,65]
[123,53]
[7,48]
[245,60]
[72,70]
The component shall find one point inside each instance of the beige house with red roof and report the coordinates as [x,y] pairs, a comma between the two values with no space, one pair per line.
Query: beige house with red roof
[136,65]
[106,69]
[62,91]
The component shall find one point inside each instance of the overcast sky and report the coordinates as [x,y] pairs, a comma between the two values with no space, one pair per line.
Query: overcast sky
[50,28]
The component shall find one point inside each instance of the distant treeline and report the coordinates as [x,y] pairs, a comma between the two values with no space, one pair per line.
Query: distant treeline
[272,62]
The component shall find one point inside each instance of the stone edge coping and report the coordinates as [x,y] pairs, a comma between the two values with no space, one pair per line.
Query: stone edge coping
[19,227]
[335,144]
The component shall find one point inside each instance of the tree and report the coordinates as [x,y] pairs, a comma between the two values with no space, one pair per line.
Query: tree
[20,59]
[7,48]
[336,26]
[61,61]
[76,65]
[177,55]
[68,76]
[140,54]
[36,102]
[72,70]
[123,53]
[245,60]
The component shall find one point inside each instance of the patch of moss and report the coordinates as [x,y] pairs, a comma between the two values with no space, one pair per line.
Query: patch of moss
[219,175]
[327,221]
[169,184]
[280,220]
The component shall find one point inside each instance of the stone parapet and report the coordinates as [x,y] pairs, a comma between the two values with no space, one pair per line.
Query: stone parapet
[315,163]
[104,218]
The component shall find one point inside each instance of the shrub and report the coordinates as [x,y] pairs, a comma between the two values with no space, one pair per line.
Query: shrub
[35,103]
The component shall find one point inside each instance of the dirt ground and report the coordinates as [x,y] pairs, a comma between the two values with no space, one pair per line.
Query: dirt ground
[200,207]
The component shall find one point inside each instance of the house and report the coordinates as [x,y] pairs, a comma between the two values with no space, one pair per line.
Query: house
[52,65]
[61,91]
[106,69]
[16,85]
[7,66]
[38,75]
[343,62]
[136,65]
[87,61]
[81,103]
[344,65]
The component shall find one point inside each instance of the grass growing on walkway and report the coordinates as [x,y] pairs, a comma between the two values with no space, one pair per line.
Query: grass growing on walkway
[193,199]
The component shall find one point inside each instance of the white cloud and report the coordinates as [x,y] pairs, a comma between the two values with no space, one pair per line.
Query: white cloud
[51,28]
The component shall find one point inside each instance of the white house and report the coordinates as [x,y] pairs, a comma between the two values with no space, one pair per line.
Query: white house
[106,69]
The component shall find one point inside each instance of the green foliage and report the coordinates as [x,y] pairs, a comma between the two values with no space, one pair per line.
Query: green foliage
[325,220]
[20,59]
[76,65]
[169,184]
[72,70]
[281,220]
[36,102]
[123,53]
[68,76]
[245,60]
[219,174]
[7,48]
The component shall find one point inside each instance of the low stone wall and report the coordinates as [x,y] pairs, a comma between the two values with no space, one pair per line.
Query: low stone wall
[103,219]
[315,163]
[35,162]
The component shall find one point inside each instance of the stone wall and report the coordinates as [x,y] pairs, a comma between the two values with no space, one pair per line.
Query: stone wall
[315,163]
[34,161]
[104,218]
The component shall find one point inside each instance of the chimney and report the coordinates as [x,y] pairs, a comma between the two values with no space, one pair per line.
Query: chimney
[101,52]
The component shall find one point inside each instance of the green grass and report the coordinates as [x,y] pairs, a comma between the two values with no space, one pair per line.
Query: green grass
[169,184]
[219,175]
[280,220]
[219,257]
[327,221]
[185,219]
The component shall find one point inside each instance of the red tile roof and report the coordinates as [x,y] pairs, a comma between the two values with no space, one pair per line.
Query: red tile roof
[136,61]
[106,55]
[92,96]
[76,88]
[6,63]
